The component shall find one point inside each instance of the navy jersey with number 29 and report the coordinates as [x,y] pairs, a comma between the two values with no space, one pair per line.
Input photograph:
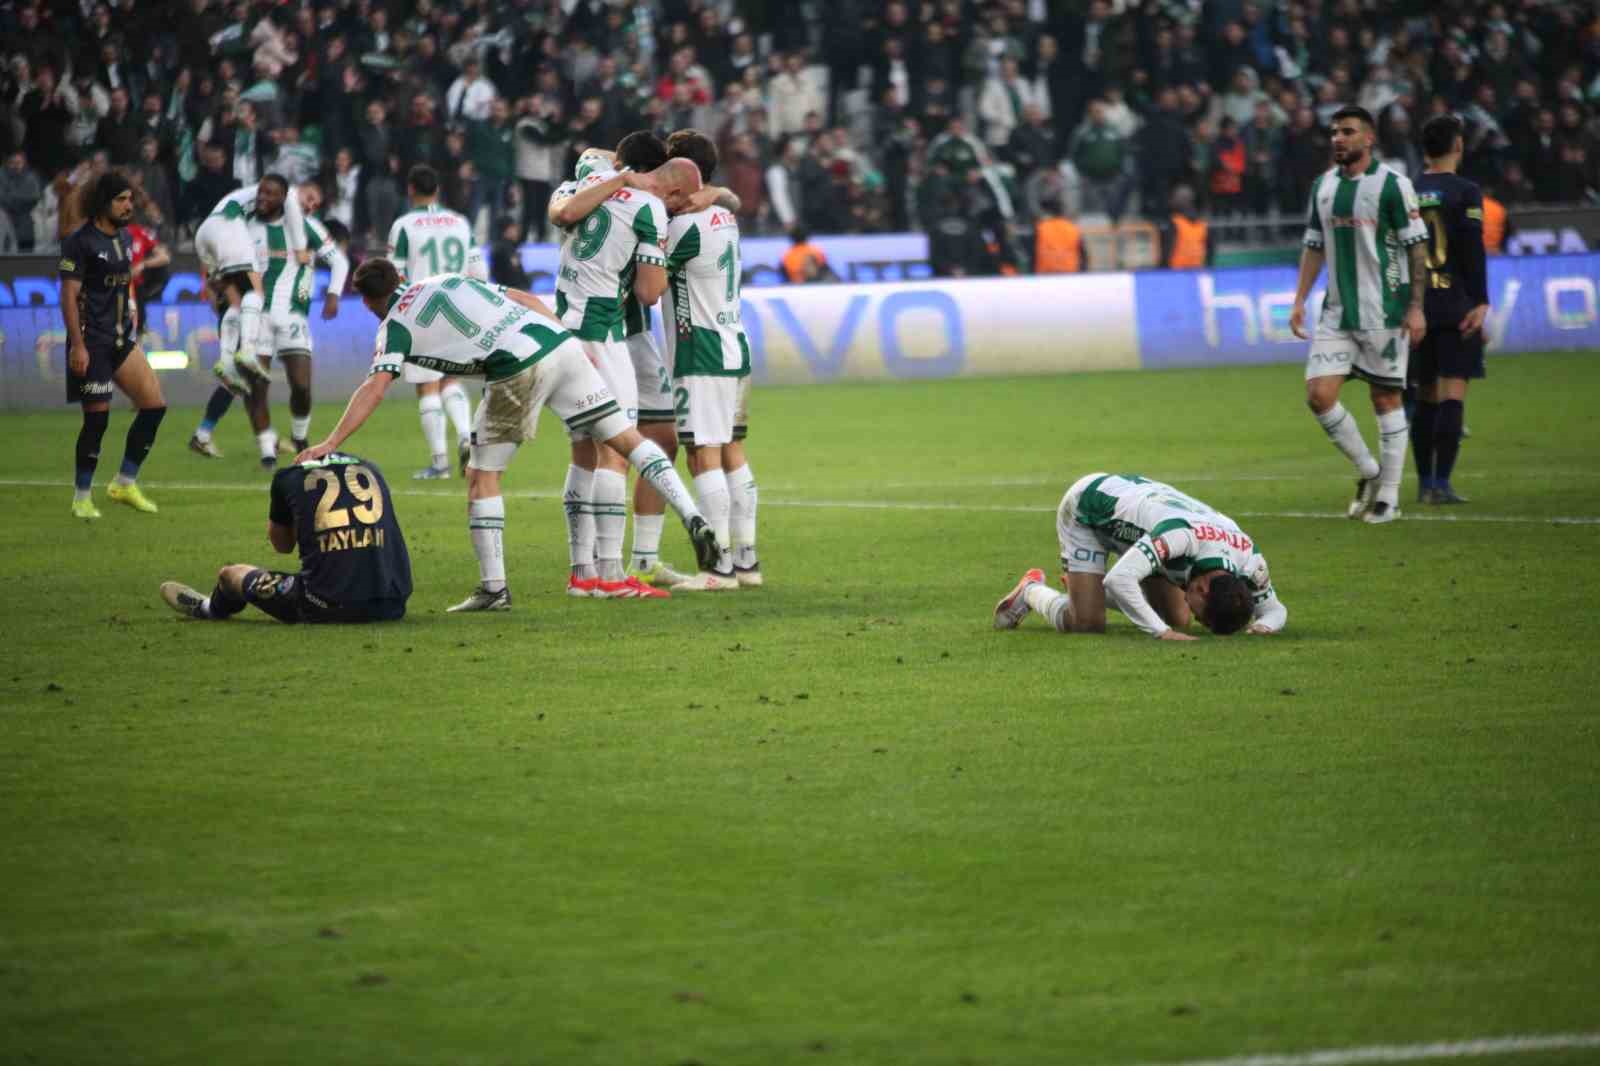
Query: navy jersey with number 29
[351,549]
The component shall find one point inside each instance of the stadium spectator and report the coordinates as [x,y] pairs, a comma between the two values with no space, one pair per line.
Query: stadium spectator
[1187,242]
[470,96]
[20,192]
[1163,146]
[1099,153]
[1228,164]
[804,262]
[782,181]
[494,156]
[1057,240]
[1302,156]
[505,257]
[149,175]
[541,151]
[119,131]
[1002,104]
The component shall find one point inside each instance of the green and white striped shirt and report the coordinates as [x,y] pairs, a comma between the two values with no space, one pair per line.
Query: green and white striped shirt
[287,284]
[1364,224]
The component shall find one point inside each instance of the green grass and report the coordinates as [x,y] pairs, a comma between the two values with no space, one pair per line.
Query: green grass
[835,820]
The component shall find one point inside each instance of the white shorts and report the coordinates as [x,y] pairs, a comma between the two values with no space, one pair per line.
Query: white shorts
[564,381]
[284,333]
[224,246]
[650,377]
[1082,551]
[1375,355]
[615,366]
[712,410]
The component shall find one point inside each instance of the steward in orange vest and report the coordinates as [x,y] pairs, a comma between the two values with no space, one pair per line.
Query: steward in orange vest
[1057,243]
[1185,238]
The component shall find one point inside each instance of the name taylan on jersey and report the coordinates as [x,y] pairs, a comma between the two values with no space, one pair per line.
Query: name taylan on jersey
[339,540]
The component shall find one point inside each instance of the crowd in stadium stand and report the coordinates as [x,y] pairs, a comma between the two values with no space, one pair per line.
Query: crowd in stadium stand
[960,118]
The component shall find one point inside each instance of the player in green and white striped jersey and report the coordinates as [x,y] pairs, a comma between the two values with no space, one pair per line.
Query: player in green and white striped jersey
[612,250]
[428,240]
[459,325]
[1364,220]
[284,330]
[1179,560]
[710,359]
[229,269]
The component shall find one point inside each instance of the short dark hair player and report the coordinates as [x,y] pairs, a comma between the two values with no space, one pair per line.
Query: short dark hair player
[353,561]
[103,350]
[1456,303]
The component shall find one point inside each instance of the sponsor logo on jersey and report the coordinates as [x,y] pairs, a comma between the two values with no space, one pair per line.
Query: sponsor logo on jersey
[1231,537]
[1352,222]
[408,299]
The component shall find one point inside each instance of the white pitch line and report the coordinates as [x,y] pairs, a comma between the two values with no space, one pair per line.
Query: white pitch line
[1458,1049]
[854,505]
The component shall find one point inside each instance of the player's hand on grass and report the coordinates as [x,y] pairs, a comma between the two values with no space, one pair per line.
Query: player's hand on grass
[78,359]
[1416,325]
[1260,631]
[1474,320]
[330,305]
[1173,634]
[1297,322]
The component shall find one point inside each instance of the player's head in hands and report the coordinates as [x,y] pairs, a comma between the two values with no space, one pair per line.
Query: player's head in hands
[376,280]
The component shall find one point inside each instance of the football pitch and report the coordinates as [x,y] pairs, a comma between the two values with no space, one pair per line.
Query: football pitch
[837,819]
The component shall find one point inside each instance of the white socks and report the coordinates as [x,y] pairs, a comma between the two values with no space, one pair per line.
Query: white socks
[742,493]
[654,466]
[647,539]
[249,322]
[454,398]
[432,411]
[580,520]
[299,426]
[711,489]
[608,494]
[1341,428]
[1393,436]
[267,441]
[228,334]
[1054,606]
[486,521]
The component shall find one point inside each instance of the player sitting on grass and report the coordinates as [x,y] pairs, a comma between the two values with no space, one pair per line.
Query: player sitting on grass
[1180,560]
[467,328]
[353,561]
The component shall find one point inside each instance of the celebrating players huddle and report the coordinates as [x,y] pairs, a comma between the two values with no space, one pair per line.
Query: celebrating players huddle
[643,224]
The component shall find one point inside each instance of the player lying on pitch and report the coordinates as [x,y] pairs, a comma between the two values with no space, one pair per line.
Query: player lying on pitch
[353,561]
[466,328]
[1180,560]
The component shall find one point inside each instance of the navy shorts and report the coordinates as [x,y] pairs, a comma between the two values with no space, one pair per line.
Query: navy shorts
[1445,353]
[95,384]
[286,598]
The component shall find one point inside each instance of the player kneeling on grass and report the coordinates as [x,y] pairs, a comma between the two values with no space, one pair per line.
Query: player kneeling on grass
[1180,560]
[466,328]
[353,562]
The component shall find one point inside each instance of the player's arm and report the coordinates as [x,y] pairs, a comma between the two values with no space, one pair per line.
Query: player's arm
[714,196]
[1474,263]
[363,402]
[1399,204]
[338,272]
[1123,591]
[530,301]
[280,517]
[475,267]
[71,271]
[1311,258]
[157,256]
[577,207]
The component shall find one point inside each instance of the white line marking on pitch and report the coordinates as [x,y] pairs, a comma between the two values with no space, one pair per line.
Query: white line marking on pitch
[853,505]
[1459,1049]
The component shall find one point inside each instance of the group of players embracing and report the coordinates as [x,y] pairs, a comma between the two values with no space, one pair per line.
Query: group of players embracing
[640,224]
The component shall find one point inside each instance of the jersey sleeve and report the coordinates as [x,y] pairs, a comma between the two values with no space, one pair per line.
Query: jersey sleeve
[1313,234]
[651,250]
[1401,211]
[394,344]
[399,246]
[1123,591]
[278,510]
[72,262]
[475,267]
[1268,611]
[682,244]
[1474,257]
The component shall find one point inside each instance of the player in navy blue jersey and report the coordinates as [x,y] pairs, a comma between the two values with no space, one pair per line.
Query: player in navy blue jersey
[353,562]
[103,350]
[1456,303]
